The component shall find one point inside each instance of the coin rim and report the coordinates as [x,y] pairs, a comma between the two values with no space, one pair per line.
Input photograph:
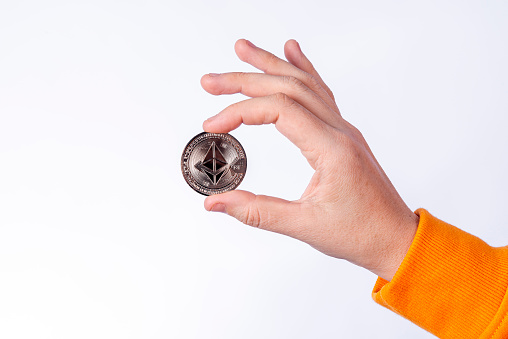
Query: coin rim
[195,137]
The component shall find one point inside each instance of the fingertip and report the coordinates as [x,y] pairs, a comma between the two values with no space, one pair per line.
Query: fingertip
[222,122]
[219,202]
[210,76]
[231,198]
[293,52]
[208,203]
[205,126]
[245,42]
[239,42]
[202,81]
[210,126]
[292,44]
[210,83]
[214,125]
[219,208]
[242,47]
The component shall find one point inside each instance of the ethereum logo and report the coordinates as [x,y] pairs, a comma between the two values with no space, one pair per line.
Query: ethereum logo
[213,165]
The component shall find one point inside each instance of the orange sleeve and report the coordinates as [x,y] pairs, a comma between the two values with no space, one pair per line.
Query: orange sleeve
[450,283]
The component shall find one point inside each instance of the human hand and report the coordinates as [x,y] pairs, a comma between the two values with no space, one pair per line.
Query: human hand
[350,209]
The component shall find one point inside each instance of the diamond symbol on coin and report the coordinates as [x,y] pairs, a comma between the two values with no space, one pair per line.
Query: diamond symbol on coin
[213,165]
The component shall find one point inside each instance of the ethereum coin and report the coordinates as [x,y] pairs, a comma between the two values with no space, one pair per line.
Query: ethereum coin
[213,163]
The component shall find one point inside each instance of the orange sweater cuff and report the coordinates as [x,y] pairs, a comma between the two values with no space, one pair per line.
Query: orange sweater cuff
[450,283]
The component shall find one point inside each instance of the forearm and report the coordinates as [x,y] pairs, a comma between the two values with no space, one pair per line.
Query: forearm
[450,283]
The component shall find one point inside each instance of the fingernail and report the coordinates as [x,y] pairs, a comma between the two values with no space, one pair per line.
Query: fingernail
[218,208]
[250,43]
[213,74]
[211,118]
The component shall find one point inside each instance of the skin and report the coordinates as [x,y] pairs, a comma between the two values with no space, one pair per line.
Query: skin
[350,209]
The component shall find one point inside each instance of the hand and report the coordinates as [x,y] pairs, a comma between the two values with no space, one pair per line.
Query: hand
[350,209]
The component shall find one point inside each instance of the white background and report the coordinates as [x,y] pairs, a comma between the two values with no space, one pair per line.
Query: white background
[100,237]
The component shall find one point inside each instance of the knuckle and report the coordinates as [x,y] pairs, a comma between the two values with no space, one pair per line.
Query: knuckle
[352,152]
[312,82]
[331,94]
[315,84]
[240,76]
[283,99]
[345,140]
[252,217]
[293,82]
[355,134]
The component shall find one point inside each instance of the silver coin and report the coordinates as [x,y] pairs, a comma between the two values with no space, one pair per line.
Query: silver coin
[213,163]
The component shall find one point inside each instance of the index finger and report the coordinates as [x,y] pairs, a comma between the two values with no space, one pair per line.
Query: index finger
[293,120]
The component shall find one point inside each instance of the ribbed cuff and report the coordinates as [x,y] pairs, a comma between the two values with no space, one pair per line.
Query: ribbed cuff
[450,282]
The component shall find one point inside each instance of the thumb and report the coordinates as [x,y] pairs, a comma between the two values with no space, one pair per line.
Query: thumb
[269,213]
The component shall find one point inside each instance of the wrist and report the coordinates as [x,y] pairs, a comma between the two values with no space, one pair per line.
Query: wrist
[398,240]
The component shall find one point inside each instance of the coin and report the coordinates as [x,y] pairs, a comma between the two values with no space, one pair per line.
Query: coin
[213,163]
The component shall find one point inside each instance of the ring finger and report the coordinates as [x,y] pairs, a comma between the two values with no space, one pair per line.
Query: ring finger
[271,64]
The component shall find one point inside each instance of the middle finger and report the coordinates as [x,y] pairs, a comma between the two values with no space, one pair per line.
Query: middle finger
[257,85]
